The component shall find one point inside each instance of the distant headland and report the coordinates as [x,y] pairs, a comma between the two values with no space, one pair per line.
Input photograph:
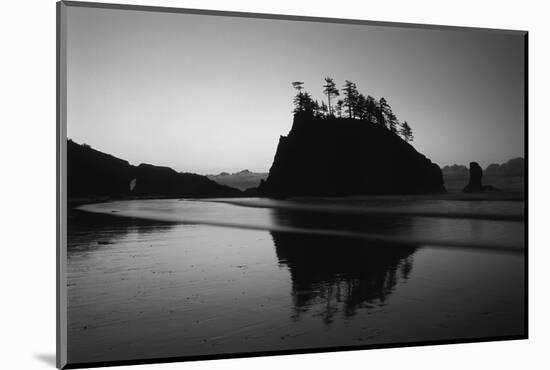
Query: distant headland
[92,174]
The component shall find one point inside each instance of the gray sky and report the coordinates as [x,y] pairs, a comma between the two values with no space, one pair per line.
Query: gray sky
[207,94]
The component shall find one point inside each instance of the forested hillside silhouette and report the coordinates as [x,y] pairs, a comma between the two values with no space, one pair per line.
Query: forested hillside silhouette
[91,173]
[354,105]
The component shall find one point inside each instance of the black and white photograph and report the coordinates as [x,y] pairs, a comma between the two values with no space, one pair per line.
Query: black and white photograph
[237,185]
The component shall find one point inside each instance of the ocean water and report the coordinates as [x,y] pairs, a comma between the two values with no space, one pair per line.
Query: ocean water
[171,278]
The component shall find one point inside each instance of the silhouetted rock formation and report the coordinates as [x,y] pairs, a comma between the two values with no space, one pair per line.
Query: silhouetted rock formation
[338,157]
[474,185]
[93,173]
[507,176]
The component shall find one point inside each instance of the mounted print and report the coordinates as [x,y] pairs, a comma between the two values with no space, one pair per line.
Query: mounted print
[234,184]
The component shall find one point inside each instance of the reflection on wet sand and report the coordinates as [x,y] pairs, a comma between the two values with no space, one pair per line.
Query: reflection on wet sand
[105,229]
[343,274]
[149,288]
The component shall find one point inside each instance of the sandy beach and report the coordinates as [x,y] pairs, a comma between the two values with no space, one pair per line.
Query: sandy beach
[145,288]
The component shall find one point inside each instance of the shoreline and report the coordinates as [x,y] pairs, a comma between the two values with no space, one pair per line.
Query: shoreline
[512,196]
[262,209]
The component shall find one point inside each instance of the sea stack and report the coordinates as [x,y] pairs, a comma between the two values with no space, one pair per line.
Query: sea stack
[474,185]
[342,157]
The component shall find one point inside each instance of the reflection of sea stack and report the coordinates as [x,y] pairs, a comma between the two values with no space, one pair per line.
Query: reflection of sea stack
[340,274]
[340,156]
[474,185]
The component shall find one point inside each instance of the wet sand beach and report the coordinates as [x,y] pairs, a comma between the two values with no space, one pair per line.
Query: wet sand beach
[163,278]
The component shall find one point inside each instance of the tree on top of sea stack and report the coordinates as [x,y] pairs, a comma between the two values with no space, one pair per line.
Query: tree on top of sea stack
[330,90]
[354,105]
[339,107]
[350,97]
[382,112]
[406,132]
[303,103]
[298,85]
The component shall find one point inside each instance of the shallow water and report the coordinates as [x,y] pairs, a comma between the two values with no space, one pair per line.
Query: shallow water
[187,278]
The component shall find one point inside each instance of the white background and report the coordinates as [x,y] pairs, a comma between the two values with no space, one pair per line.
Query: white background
[27,182]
